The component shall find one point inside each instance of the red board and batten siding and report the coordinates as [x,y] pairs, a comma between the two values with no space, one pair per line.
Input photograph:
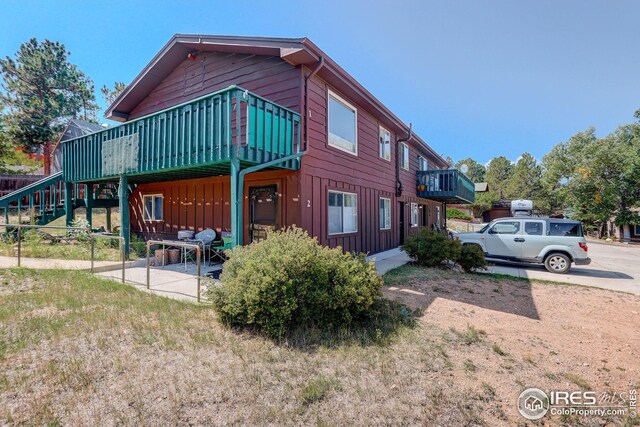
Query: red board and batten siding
[266,76]
[326,168]
[202,203]
[196,204]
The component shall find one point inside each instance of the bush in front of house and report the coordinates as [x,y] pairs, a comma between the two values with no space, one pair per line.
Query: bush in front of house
[472,258]
[432,249]
[288,280]
[453,213]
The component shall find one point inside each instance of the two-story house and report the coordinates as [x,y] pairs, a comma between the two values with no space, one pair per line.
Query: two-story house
[248,134]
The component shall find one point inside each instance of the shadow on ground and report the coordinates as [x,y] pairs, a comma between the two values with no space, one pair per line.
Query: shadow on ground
[385,321]
[575,271]
[419,287]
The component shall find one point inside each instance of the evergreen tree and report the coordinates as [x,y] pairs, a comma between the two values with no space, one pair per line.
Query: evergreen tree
[42,90]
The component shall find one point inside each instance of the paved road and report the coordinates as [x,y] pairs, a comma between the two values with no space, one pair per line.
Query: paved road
[613,267]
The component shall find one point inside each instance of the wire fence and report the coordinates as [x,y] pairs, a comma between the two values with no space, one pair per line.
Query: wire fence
[163,243]
[66,245]
[15,236]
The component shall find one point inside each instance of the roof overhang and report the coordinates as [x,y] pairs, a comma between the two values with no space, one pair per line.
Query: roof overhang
[178,48]
[295,51]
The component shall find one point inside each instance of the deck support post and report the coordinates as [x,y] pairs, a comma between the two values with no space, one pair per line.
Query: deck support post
[88,203]
[32,206]
[108,219]
[123,194]
[68,203]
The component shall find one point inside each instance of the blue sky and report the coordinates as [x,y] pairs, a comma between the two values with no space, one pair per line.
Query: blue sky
[476,78]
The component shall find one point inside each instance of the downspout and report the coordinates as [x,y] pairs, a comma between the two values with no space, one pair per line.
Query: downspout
[398,141]
[306,94]
[240,188]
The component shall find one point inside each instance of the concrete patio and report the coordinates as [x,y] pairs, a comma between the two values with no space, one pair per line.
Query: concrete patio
[612,268]
[174,281]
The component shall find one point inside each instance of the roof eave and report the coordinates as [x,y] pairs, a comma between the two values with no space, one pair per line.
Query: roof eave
[295,51]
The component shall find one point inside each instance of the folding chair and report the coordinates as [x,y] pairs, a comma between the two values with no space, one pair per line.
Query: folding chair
[217,251]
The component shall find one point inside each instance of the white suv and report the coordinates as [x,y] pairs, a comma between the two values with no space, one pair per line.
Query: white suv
[556,243]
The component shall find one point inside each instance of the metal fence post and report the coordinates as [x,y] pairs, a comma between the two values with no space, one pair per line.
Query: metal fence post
[122,250]
[93,250]
[198,254]
[19,243]
[148,272]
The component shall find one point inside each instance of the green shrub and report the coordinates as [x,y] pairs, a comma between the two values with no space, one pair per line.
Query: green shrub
[453,213]
[431,248]
[288,280]
[472,258]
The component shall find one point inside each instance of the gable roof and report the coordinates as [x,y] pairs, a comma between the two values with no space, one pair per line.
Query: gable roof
[481,187]
[295,51]
[76,128]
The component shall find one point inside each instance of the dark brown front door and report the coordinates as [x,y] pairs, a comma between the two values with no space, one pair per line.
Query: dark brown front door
[263,211]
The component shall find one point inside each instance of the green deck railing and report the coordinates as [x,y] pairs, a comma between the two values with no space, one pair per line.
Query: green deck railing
[447,185]
[45,199]
[199,133]
[46,195]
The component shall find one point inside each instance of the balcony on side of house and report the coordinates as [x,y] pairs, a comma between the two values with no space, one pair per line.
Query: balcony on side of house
[445,185]
[196,138]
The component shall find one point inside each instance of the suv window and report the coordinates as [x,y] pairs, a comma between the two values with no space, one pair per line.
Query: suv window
[533,228]
[506,227]
[565,229]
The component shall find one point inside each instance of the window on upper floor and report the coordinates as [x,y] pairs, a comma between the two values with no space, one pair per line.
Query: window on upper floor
[343,212]
[343,124]
[385,213]
[404,156]
[152,205]
[385,144]
[422,163]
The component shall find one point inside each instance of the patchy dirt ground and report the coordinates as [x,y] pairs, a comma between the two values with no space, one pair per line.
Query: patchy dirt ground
[553,337]
[77,350]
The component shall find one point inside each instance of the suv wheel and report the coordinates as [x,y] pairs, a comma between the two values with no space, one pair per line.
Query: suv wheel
[557,263]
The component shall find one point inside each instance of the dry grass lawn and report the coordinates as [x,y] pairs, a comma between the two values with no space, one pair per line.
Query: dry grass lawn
[78,350]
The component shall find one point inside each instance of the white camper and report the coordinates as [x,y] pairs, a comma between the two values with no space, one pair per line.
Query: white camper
[521,208]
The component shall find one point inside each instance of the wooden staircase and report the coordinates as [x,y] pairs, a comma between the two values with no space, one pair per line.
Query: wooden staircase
[45,199]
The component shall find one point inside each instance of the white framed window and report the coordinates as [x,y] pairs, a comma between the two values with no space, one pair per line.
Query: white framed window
[343,212]
[404,156]
[385,144]
[385,213]
[422,164]
[343,124]
[414,214]
[152,207]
